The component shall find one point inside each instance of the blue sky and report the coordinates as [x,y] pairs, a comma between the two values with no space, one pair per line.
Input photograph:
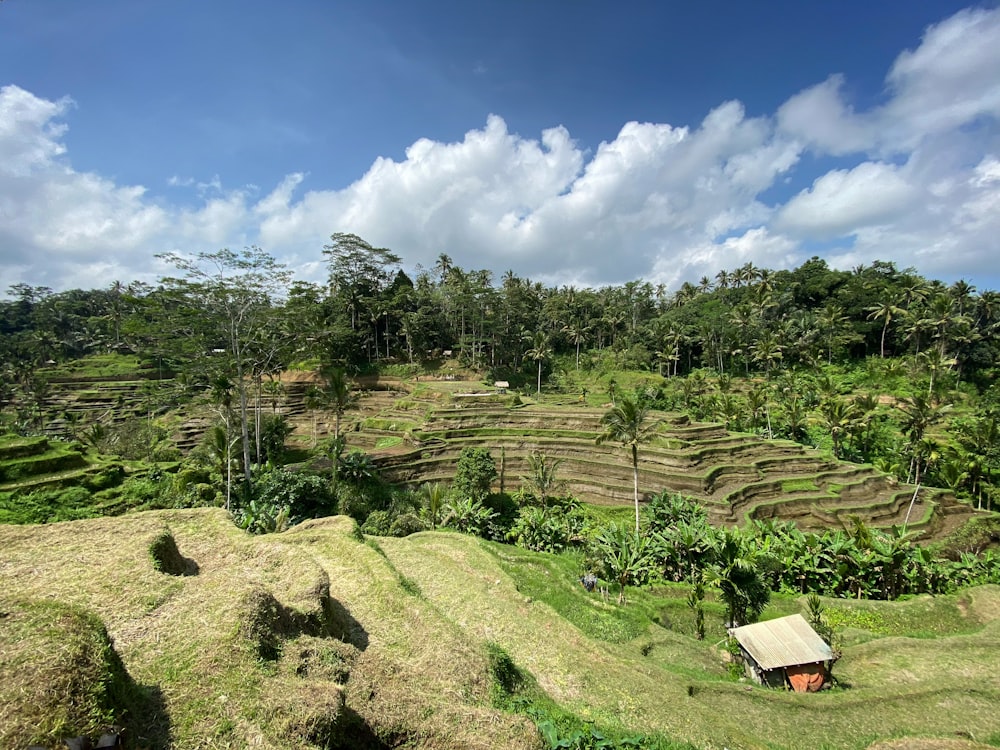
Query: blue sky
[573,142]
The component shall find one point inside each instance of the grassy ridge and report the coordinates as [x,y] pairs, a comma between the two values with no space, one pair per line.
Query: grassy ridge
[317,638]
[664,681]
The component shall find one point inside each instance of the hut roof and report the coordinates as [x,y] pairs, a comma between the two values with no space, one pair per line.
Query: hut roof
[784,642]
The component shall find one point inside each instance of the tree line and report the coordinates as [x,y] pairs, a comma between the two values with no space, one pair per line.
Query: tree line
[807,354]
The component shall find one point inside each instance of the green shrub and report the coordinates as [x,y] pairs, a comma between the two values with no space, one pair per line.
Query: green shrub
[546,529]
[475,472]
[261,517]
[469,516]
[378,523]
[47,506]
[110,476]
[406,524]
[305,494]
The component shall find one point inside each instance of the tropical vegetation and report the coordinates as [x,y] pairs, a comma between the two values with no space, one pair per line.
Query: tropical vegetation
[234,385]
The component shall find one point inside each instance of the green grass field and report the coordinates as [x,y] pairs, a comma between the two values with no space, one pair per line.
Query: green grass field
[312,638]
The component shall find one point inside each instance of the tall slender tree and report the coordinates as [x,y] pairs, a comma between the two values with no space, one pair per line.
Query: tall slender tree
[541,350]
[628,423]
[886,311]
[230,295]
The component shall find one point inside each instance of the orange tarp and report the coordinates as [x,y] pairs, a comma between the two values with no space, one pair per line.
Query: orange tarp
[805,678]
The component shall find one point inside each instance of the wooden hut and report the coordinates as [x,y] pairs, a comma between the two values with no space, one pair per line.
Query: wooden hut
[785,651]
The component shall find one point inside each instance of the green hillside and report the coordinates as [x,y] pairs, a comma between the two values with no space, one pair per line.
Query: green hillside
[316,637]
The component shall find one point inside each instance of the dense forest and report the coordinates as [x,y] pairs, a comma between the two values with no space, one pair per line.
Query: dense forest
[814,348]
[876,366]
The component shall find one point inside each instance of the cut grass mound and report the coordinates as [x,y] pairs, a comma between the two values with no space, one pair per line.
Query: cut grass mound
[79,688]
[319,638]
[293,641]
[421,681]
[167,558]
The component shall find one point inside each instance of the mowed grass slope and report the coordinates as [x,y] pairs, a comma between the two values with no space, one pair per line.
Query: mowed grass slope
[669,683]
[301,640]
[316,638]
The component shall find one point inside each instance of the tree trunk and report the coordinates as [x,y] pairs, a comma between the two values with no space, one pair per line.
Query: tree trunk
[336,453]
[635,484]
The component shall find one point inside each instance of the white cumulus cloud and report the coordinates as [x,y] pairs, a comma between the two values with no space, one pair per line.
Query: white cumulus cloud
[843,202]
[917,181]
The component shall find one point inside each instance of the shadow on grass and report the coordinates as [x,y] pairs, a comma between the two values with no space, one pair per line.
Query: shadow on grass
[357,734]
[149,722]
[343,625]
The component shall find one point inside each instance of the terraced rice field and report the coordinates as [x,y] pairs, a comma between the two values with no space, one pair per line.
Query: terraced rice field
[737,476]
[415,431]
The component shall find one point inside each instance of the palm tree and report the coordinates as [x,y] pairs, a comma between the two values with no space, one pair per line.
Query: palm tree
[961,291]
[979,440]
[314,401]
[865,405]
[541,349]
[434,496]
[832,321]
[766,351]
[796,418]
[577,334]
[918,415]
[275,390]
[219,448]
[884,311]
[757,403]
[542,480]
[935,362]
[736,573]
[942,318]
[839,417]
[337,395]
[221,393]
[627,423]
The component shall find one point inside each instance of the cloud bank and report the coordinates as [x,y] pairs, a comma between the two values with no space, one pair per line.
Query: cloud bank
[917,181]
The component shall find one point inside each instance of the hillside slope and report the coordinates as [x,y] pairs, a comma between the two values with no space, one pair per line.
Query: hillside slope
[314,638]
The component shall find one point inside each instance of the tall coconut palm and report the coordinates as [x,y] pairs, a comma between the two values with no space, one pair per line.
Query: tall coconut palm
[275,390]
[541,349]
[314,401]
[884,311]
[918,414]
[577,334]
[840,418]
[628,423]
[766,351]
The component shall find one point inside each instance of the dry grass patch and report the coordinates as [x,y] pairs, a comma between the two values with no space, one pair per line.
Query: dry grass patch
[419,679]
[80,687]
[314,638]
[208,646]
